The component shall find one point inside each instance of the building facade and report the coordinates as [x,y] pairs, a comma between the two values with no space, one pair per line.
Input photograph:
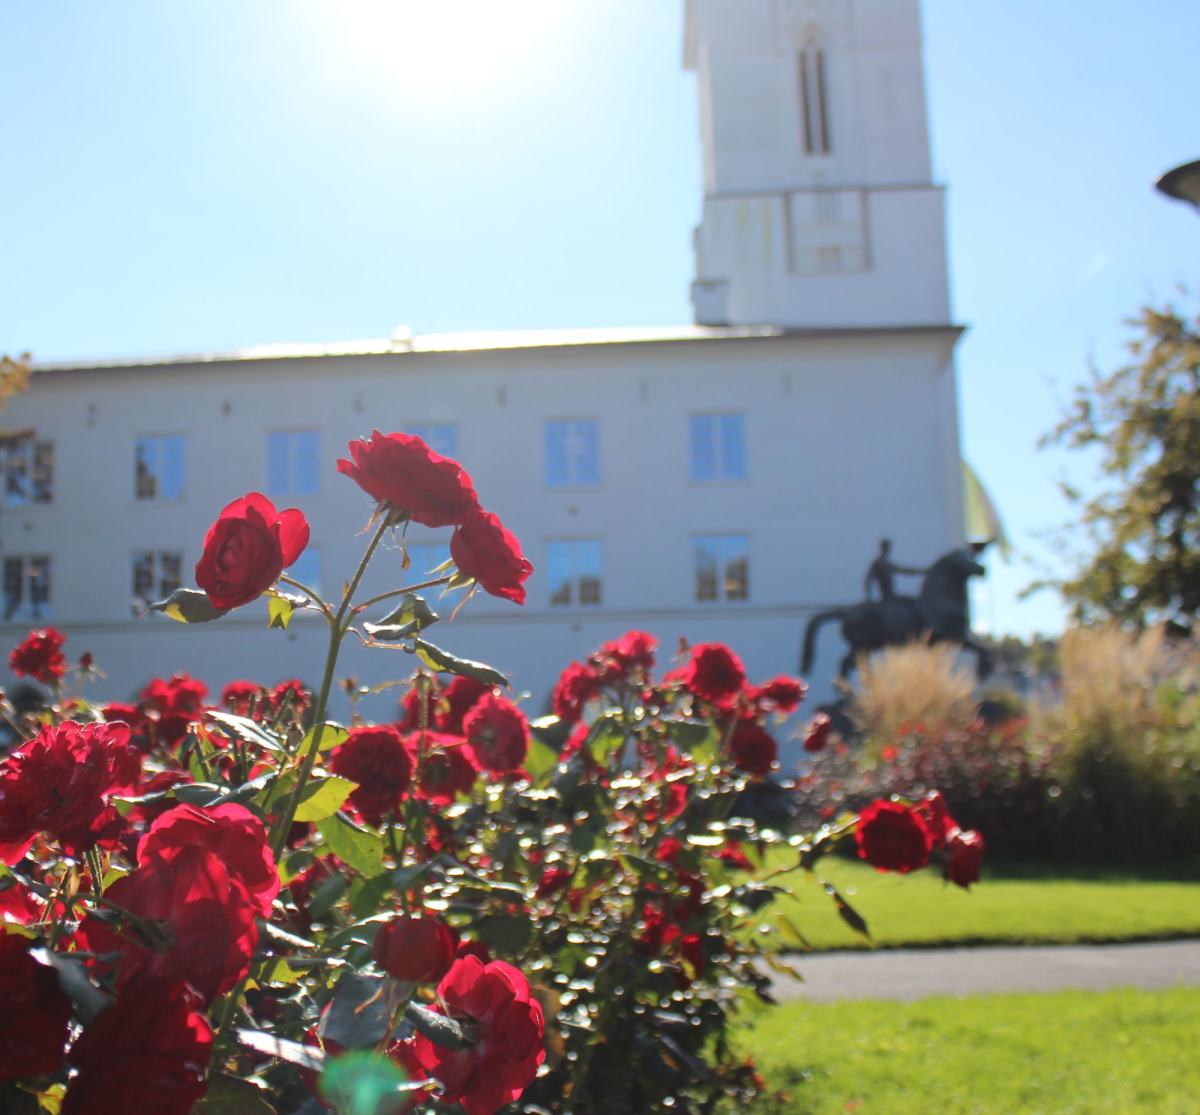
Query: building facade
[722,480]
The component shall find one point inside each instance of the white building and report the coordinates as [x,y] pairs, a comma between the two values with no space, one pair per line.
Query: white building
[716,481]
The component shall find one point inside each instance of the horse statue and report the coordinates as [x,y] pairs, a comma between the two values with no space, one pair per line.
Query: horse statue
[938,612]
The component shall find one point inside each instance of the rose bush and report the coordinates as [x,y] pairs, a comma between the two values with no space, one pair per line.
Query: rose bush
[248,907]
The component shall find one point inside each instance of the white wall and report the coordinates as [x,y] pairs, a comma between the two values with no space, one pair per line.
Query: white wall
[849,439]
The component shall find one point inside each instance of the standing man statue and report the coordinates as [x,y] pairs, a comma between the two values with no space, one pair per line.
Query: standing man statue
[882,570]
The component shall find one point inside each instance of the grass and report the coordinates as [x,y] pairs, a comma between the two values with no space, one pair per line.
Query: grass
[1066,1052]
[1014,904]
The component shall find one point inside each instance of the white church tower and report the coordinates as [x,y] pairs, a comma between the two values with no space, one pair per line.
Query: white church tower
[819,211]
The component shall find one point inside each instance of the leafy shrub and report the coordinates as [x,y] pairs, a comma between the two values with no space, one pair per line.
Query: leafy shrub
[246,902]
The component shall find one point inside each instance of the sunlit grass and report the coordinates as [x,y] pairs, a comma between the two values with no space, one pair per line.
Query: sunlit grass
[1014,904]
[1070,1051]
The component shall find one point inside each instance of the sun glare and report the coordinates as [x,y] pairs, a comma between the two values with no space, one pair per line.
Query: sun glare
[414,48]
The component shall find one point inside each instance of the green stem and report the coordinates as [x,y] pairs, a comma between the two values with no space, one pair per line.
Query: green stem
[336,632]
[401,592]
[326,610]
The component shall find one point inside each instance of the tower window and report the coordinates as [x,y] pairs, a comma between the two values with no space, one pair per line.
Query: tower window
[814,106]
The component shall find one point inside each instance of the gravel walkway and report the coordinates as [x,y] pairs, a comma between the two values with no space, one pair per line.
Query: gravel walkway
[909,974]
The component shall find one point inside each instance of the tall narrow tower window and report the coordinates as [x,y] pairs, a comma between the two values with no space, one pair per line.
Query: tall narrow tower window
[814,107]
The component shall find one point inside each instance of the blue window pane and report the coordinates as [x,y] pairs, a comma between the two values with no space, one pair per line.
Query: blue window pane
[279,473]
[705,557]
[425,557]
[558,572]
[704,456]
[733,447]
[307,569]
[170,467]
[441,437]
[587,451]
[307,444]
[558,472]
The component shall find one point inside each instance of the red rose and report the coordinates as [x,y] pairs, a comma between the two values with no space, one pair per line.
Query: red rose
[493,999]
[456,700]
[415,949]
[817,736]
[714,673]
[196,922]
[39,656]
[238,696]
[576,685]
[966,858]
[483,549]
[177,696]
[782,694]
[498,734]
[446,766]
[375,758]
[633,651]
[753,748]
[59,784]
[147,1052]
[936,814]
[400,470]
[33,1023]
[232,833]
[247,548]
[297,695]
[892,837]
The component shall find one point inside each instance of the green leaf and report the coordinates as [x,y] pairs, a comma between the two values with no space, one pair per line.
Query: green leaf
[279,611]
[648,869]
[699,738]
[551,731]
[605,736]
[229,1096]
[245,730]
[323,797]
[444,662]
[281,1049]
[848,913]
[507,934]
[790,934]
[333,735]
[411,616]
[188,605]
[361,850]
[539,758]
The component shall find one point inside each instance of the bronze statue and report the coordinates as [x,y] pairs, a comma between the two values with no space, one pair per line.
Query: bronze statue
[882,570]
[939,612]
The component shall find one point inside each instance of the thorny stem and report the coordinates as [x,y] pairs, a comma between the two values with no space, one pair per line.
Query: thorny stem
[400,592]
[315,597]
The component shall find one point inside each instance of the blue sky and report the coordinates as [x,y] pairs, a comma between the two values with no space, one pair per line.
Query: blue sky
[210,173]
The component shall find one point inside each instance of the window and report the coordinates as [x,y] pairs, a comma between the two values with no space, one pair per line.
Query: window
[572,452]
[813,107]
[306,569]
[292,462]
[158,467]
[156,574]
[441,437]
[26,589]
[28,473]
[425,557]
[574,571]
[718,447]
[722,566]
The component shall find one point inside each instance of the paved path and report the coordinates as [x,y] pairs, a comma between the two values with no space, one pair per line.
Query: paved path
[918,973]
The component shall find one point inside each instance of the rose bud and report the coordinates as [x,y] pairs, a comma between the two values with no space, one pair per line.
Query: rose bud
[415,948]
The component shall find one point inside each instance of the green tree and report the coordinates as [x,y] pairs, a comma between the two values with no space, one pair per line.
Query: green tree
[1143,528]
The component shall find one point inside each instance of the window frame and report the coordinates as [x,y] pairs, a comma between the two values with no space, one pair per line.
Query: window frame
[43,609]
[156,474]
[723,560]
[813,80]
[26,450]
[293,489]
[158,582]
[574,581]
[719,448]
[571,462]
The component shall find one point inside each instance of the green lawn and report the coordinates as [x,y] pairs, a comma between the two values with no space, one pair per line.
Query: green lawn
[1014,904]
[1111,1052]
